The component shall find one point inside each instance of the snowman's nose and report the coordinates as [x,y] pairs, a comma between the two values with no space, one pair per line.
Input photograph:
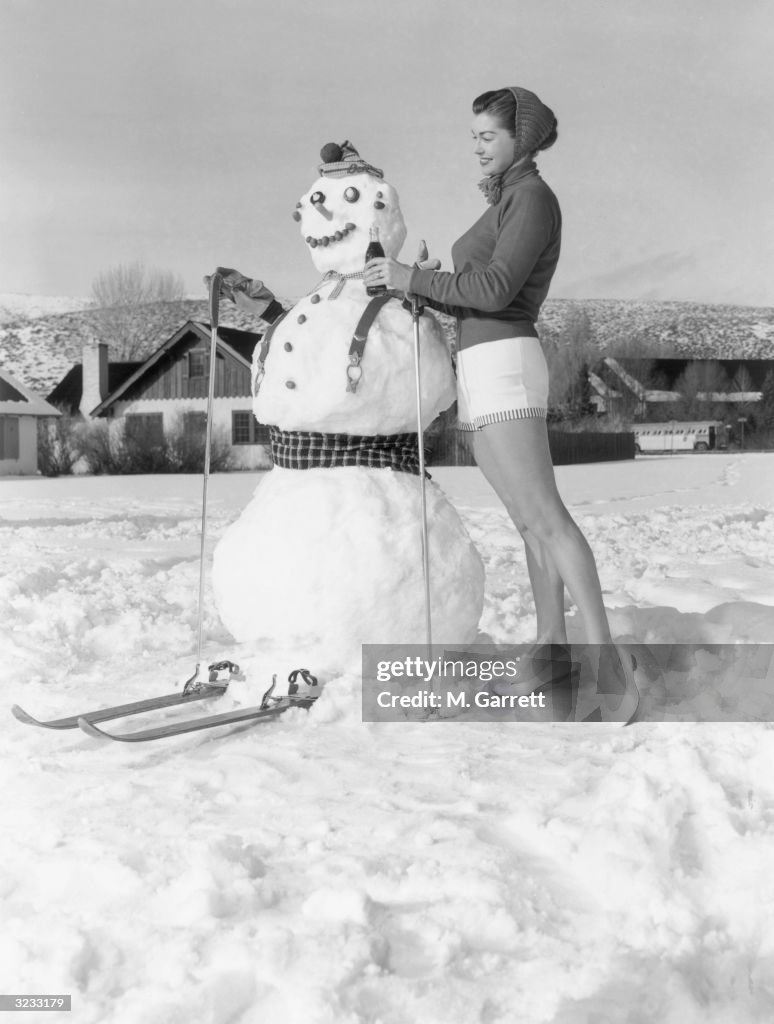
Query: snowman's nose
[317,200]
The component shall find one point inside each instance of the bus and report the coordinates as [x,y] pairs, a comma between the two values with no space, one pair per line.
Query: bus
[701,436]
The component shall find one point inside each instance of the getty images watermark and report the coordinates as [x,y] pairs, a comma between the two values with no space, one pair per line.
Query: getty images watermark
[414,673]
[585,683]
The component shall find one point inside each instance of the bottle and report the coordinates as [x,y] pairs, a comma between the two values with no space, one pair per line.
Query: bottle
[375,249]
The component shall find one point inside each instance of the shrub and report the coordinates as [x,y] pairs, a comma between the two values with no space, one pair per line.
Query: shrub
[114,450]
[101,448]
[58,445]
[185,450]
[612,423]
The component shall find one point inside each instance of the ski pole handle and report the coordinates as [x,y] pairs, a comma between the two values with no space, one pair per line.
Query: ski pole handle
[215,282]
[423,262]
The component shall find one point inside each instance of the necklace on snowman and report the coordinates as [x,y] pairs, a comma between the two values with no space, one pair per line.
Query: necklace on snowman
[341,280]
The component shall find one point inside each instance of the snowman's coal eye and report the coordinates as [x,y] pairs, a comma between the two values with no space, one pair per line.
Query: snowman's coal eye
[351,194]
[317,197]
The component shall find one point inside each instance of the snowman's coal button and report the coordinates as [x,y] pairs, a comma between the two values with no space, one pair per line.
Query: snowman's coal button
[290,384]
[302,319]
[288,347]
[315,298]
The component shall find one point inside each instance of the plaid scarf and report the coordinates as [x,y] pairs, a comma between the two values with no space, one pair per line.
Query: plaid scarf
[305,449]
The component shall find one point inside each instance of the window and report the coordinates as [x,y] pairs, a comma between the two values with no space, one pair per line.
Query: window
[197,363]
[245,429]
[9,437]
[145,428]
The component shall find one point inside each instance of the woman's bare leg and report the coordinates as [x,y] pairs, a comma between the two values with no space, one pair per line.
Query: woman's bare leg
[548,591]
[516,460]
[544,578]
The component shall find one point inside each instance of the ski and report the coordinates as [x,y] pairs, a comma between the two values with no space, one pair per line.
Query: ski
[160,732]
[219,675]
[137,707]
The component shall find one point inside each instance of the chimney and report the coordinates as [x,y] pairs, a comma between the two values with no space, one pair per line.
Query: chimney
[95,377]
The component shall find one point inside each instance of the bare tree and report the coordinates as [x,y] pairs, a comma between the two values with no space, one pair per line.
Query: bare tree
[570,353]
[700,387]
[122,295]
[766,410]
[134,284]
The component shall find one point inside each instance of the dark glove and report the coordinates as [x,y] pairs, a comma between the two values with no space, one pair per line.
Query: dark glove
[414,303]
[247,294]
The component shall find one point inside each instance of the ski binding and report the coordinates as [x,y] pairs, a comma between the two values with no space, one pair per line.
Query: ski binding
[269,708]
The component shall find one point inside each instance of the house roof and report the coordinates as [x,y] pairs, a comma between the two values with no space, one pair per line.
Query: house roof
[16,399]
[69,391]
[670,369]
[239,344]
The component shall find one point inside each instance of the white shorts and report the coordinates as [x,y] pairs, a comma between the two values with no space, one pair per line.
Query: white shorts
[505,379]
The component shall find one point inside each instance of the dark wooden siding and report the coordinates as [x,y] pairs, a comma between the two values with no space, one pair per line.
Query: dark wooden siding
[169,378]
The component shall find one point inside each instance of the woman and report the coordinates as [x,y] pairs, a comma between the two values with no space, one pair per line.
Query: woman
[503,268]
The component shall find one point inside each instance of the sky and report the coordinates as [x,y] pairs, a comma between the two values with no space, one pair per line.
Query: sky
[182,133]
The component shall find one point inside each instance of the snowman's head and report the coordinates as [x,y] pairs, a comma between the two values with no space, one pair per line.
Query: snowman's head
[338,211]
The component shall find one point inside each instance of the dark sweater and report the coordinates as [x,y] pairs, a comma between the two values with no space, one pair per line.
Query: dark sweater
[503,264]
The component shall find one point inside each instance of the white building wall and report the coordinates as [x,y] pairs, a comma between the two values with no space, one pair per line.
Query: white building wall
[27,463]
[245,456]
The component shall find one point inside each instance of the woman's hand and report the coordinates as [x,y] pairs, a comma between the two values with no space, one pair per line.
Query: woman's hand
[385,271]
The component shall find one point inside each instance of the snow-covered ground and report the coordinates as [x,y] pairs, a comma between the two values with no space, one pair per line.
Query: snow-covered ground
[326,871]
[14,305]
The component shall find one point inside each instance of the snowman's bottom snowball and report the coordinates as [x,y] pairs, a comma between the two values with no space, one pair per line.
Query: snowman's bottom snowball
[325,560]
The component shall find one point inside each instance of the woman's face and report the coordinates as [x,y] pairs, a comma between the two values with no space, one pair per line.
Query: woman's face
[494,146]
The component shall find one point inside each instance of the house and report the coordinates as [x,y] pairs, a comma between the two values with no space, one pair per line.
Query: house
[20,413]
[737,381]
[170,388]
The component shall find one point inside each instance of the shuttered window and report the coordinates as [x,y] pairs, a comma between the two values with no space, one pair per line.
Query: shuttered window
[147,428]
[194,425]
[9,437]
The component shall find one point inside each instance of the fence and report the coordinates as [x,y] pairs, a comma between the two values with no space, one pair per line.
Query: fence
[568,448]
[445,446]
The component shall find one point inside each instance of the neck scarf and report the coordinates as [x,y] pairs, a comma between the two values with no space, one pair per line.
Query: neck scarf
[493,186]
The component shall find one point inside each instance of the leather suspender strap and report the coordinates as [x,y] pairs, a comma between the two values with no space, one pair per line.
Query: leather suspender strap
[263,350]
[356,347]
[359,338]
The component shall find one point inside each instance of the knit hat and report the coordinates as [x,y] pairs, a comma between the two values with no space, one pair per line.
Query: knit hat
[534,121]
[338,161]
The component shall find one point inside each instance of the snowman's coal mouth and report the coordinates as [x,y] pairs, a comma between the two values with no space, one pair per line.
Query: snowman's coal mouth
[324,240]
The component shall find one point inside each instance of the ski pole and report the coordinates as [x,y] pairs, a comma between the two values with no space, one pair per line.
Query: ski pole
[215,283]
[416,312]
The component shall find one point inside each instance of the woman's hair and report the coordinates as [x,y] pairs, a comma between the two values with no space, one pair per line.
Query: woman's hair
[501,105]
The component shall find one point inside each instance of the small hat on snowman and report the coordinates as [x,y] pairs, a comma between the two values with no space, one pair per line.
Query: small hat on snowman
[340,160]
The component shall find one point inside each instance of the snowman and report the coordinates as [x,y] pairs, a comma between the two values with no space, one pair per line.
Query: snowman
[327,555]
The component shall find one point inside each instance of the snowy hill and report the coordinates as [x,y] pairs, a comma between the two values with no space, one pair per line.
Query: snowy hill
[40,347]
[16,306]
[41,337]
[628,327]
